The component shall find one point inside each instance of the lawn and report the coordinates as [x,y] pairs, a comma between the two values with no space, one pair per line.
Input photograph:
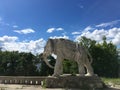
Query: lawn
[111,81]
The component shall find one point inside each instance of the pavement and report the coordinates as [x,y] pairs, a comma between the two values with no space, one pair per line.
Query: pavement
[38,87]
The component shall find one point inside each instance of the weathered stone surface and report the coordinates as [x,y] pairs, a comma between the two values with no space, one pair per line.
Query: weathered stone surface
[79,82]
[67,49]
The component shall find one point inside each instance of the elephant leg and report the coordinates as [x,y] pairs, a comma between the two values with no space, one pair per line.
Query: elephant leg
[89,69]
[58,70]
[61,70]
[81,69]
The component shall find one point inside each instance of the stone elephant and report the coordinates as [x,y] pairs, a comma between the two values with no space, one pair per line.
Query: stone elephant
[67,49]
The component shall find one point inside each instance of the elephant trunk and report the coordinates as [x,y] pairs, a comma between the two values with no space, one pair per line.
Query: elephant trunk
[43,56]
[46,61]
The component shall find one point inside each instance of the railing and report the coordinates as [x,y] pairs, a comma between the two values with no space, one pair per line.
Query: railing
[33,80]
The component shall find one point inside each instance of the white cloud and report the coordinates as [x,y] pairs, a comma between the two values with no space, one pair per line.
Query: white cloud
[96,32]
[15,26]
[25,31]
[8,39]
[75,33]
[112,34]
[59,29]
[2,23]
[88,28]
[57,37]
[116,39]
[108,24]
[11,44]
[50,30]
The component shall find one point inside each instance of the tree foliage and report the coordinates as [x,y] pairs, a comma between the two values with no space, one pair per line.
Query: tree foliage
[105,57]
[15,63]
[70,67]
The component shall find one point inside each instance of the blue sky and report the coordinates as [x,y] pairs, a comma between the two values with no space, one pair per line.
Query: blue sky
[25,25]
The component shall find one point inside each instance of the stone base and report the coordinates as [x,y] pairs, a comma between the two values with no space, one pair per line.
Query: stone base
[78,82]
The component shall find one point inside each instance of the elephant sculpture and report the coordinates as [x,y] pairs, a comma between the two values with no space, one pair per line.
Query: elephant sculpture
[67,49]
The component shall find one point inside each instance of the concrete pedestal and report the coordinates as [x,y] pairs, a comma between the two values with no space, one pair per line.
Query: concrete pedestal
[78,82]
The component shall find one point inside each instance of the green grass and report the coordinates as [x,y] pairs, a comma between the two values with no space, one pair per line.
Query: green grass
[115,81]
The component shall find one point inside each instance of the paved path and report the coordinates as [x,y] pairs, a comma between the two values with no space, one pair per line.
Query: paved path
[34,87]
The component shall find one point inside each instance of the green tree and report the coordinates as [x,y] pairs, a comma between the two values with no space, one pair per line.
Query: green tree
[26,65]
[15,63]
[105,56]
[70,67]
[12,63]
